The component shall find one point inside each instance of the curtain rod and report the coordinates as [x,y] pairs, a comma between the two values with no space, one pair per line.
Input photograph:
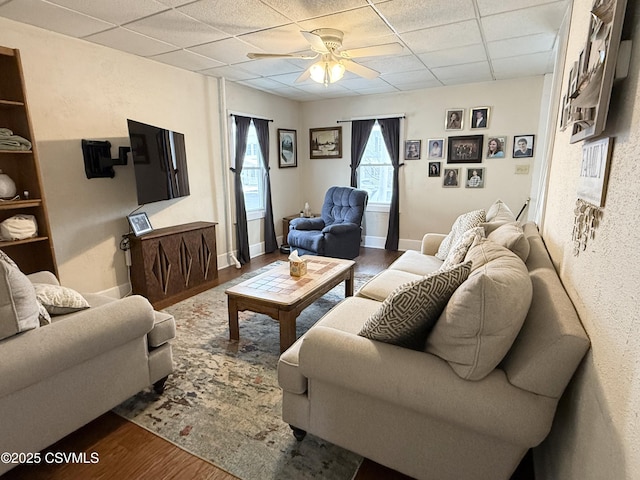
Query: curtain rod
[379,118]
[248,116]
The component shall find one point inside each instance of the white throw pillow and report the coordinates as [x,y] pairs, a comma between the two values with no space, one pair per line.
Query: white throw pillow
[59,300]
[409,312]
[461,247]
[464,222]
[511,236]
[485,314]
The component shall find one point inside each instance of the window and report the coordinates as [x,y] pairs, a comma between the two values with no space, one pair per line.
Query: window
[252,175]
[375,173]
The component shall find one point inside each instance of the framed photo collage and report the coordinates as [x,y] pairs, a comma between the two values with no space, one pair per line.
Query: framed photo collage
[445,154]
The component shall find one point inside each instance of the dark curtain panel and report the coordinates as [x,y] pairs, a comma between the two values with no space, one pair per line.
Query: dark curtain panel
[390,128]
[262,128]
[360,131]
[242,236]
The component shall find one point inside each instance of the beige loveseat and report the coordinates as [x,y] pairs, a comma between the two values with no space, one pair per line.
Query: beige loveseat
[58,377]
[465,406]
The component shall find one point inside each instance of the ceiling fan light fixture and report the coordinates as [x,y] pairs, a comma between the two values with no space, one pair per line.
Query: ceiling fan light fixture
[326,71]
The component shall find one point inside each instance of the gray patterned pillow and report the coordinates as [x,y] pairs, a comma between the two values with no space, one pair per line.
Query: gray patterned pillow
[464,222]
[410,311]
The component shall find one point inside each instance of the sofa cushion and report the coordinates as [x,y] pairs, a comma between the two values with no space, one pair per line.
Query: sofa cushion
[417,263]
[464,222]
[164,329]
[59,300]
[381,286]
[19,310]
[497,215]
[511,236]
[348,316]
[408,314]
[485,314]
[461,247]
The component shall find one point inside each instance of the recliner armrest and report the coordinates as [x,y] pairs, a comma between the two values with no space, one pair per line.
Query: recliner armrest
[425,383]
[302,223]
[338,228]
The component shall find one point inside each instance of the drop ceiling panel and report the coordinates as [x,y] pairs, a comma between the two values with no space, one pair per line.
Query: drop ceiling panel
[512,47]
[285,39]
[540,19]
[444,37]
[187,60]
[307,9]
[176,28]
[405,17]
[491,7]
[114,11]
[524,65]
[415,76]
[229,50]
[268,67]
[479,71]
[454,56]
[122,39]
[404,63]
[358,25]
[235,17]
[52,17]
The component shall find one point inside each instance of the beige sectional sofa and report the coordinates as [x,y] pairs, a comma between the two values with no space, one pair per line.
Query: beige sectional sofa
[480,391]
[58,377]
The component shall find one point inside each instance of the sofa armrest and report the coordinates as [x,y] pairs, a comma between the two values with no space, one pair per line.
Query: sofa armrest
[431,242]
[43,277]
[302,223]
[338,228]
[32,356]
[425,383]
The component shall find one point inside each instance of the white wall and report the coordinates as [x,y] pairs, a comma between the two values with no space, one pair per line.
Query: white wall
[425,206]
[596,433]
[78,90]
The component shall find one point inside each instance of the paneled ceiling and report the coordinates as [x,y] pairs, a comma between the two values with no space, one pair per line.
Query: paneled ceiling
[445,42]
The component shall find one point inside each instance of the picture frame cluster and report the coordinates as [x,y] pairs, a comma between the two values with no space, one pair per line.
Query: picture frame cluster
[467,149]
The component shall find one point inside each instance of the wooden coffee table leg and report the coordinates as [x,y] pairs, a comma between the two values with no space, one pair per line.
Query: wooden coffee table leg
[348,284]
[287,322]
[234,331]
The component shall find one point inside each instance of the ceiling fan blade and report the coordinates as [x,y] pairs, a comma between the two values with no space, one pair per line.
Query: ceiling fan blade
[304,76]
[316,42]
[360,70]
[386,49]
[255,56]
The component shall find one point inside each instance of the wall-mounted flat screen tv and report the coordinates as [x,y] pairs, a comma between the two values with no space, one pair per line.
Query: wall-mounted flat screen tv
[159,161]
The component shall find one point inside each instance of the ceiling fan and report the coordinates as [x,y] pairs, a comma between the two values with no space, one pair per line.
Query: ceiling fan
[327,44]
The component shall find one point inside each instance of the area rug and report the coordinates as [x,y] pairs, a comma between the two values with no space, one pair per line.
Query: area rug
[223,402]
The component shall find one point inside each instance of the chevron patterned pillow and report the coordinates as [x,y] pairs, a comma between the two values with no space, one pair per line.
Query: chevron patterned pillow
[409,313]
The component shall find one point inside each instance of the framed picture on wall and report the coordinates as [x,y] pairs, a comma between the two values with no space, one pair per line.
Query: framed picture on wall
[475,178]
[496,147]
[453,119]
[451,177]
[435,148]
[434,169]
[287,148]
[412,149]
[479,117]
[465,149]
[523,146]
[325,142]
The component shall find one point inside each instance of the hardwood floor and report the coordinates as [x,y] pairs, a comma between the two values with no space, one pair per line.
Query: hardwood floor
[130,452]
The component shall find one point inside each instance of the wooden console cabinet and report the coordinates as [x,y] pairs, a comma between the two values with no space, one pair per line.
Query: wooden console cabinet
[174,263]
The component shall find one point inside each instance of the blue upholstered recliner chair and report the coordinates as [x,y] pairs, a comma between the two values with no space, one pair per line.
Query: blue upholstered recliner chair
[336,233]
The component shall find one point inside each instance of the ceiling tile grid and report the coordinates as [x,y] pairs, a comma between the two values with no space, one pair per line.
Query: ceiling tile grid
[444,42]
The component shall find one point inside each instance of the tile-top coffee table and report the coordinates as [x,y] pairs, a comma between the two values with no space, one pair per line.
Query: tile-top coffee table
[283,297]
